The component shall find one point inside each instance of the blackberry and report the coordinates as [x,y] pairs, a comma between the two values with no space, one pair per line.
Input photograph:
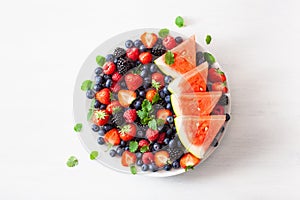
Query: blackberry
[223,100]
[175,153]
[142,127]
[117,118]
[119,52]
[158,50]
[122,65]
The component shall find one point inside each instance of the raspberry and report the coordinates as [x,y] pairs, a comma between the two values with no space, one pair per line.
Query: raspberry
[130,115]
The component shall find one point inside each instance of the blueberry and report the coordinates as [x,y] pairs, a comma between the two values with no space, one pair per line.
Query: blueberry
[97,104]
[172,144]
[107,127]
[129,44]
[98,79]
[98,70]
[142,94]
[159,41]
[115,60]
[110,58]
[162,94]
[119,151]
[178,39]
[97,87]
[153,68]
[142,48]
[175,164]
[106,77]
[123,143]
[169,132]
[101,132]
[90,94]
[126,148]
[140,134]
[166,141]
[156,146]
[169,106]
[168,79]
[179,144]
[214,143]
[112,153]
[153,167]
[148,79]
[101,140]
[137,43]
[95,128]
[139,162]
[144,73]
[199,58]
[170,119]
[227,117]
[108,83]
[168,99]
[102,106]
[145,167]
[137,63]
[146,67]
[137,104]
[147,85]
[166,91]
[168,167]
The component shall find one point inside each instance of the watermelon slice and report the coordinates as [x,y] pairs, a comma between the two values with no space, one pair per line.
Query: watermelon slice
[197,133]
[184,56]
[192,81]
[196,104]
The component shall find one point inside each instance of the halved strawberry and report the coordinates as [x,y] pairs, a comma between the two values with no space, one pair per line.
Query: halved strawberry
[130,115]
[161,158]
[216,75]
[103,96]
[100,117]
[127,132]
[158,77]
[128,158]
[133,81]
[112,137]
[126,97]
[163,114]
[112,106]
[148,158]
[188,161]
[220,86]
[149,39]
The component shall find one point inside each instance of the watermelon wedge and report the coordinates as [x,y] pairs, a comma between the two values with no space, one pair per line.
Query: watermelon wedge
[197,133]
[196,104]
[192,81]
[184,56]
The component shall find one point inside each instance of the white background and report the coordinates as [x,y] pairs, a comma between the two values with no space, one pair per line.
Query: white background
[42,47]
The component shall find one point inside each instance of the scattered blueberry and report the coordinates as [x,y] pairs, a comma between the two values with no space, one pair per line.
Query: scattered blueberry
[148,79]
[97,104]
[156,146]
[112,153]
[168,106]
[90,94]
[97,87]
[137,43]
[142,94]
[146,85]
[168,167]
[101,140]
[95,128]
[126,148]
[98,70]
[108,83]
[123,143]
[169,132]
[144,73]
[129,44]
[175,164]
[138,155]
[137,104]
[102,106]
[166,91]
[166,141]
[145,167]
[107,127]
[168,79]
[170,119]
[106,77]
[146,67]
[110,58]
[168,99]
[153,68]
[101,132]
[142,48]
[153,167]
[139,162]
[178,39]
[119,151]
[162,94]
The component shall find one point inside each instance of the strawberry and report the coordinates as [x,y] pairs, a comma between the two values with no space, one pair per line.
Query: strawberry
[112,137]
[149,39]
[158,77]
[126,97]
[161,138]
[218,110]
[145,57]
[100,117]
[150,94]
[128,158]
[103,96]
[113,106]
[148,158]
[163,114]
[143,142]
[216,75]
[161,158]
[220,86]
[128,132]
[133,81]
[130,115]
[115,87]
[133,53]
[116,76]
[151,134]
[188,161]
[109,68]
[169,42]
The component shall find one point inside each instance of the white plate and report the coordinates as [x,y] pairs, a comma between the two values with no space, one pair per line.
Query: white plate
[81,104]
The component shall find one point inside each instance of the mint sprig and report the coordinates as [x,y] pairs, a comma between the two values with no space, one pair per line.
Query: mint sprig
[152,124]
[163,32]
[179,21]
[94,155]
[133,169]
[100,60]
[86,85]
[133,146]
[208,39]
[72,161]
[169,58]
[78,127]
[209,58]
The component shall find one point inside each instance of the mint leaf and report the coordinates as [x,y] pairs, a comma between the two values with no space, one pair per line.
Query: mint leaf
[179,21]
[86,85]
[93,103]
[133,170]
[169,58]
[209,58]
[78,127]
[146,105]
[163,32]
[160,122]
[90,114]
[144,149]
[208,39]
[155,84]
[72,161]
[189,167]
[133,146]
[94,155]
[142,114]
[156,98]
[100,60]
[152,124]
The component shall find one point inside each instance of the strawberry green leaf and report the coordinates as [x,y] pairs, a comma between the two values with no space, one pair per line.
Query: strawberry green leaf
[90,114]
[78,127]
[133,146]
[100,60]
[116,109]
[160,122]
[144,149]
[152,124]
[156,98]
[94,155]
[72,161]
[133,170]
[169,58]
[189,168]
[155,84]
[86,85]
[209,58]
[208,39]
[179,21]
[163,32]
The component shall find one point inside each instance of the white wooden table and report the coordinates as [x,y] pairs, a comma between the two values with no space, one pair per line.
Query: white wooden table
[42,47]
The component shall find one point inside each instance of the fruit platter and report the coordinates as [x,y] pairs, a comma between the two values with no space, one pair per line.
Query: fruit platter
[151,102]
